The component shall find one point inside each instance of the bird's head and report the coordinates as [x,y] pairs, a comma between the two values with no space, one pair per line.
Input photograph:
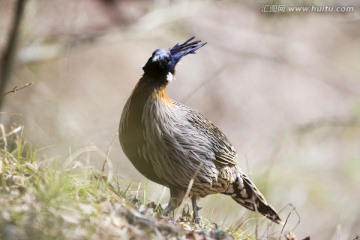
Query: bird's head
[161,65]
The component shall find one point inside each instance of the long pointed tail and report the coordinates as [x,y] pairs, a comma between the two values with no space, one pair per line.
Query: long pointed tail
[244,192]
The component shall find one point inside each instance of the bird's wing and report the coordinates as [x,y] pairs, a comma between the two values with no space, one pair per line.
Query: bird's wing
[224,152]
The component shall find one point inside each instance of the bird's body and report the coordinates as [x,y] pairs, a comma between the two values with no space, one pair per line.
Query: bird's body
[171,144]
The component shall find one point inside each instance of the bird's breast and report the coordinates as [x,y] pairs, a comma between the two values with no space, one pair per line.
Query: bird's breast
[141,128]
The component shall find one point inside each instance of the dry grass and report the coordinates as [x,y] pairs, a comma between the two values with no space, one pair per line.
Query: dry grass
[65,199]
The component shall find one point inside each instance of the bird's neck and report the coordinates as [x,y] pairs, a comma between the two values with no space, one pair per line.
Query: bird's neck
[148,89]
[161,95]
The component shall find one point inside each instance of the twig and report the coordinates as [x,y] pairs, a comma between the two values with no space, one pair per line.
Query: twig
[5,135]
[287,218]
[137,192]
[15,89]
[257,220]
[7,60]
[161,196]
[106,160]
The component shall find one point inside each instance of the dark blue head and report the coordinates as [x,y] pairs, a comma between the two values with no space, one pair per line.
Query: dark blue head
[161,65]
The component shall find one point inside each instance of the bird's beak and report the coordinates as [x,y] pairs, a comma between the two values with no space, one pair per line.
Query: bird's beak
[188,47]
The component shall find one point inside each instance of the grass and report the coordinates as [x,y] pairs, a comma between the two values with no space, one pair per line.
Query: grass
[63,199]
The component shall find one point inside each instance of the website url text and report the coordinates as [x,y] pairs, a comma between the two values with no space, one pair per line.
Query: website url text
[274,8]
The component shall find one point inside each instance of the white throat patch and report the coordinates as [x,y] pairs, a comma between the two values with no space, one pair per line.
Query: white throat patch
[169,77]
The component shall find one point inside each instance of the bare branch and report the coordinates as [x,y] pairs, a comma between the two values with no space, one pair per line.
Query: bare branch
[7,60]
[287,218]
[15,89]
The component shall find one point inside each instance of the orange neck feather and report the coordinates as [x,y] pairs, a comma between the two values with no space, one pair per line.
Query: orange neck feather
[161,94]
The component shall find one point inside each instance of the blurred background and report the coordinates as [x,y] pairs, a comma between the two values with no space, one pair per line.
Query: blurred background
[283,85]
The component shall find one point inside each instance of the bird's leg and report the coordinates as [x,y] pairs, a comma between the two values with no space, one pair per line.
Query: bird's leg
[172,205]
[175,201]
[195,210]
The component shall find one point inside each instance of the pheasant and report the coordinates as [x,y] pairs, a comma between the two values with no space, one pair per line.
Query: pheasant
[176,146]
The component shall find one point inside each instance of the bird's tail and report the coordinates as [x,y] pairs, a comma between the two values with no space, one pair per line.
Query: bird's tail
[244,192]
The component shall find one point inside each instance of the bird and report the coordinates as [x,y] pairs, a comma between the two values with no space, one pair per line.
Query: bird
[177,147]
